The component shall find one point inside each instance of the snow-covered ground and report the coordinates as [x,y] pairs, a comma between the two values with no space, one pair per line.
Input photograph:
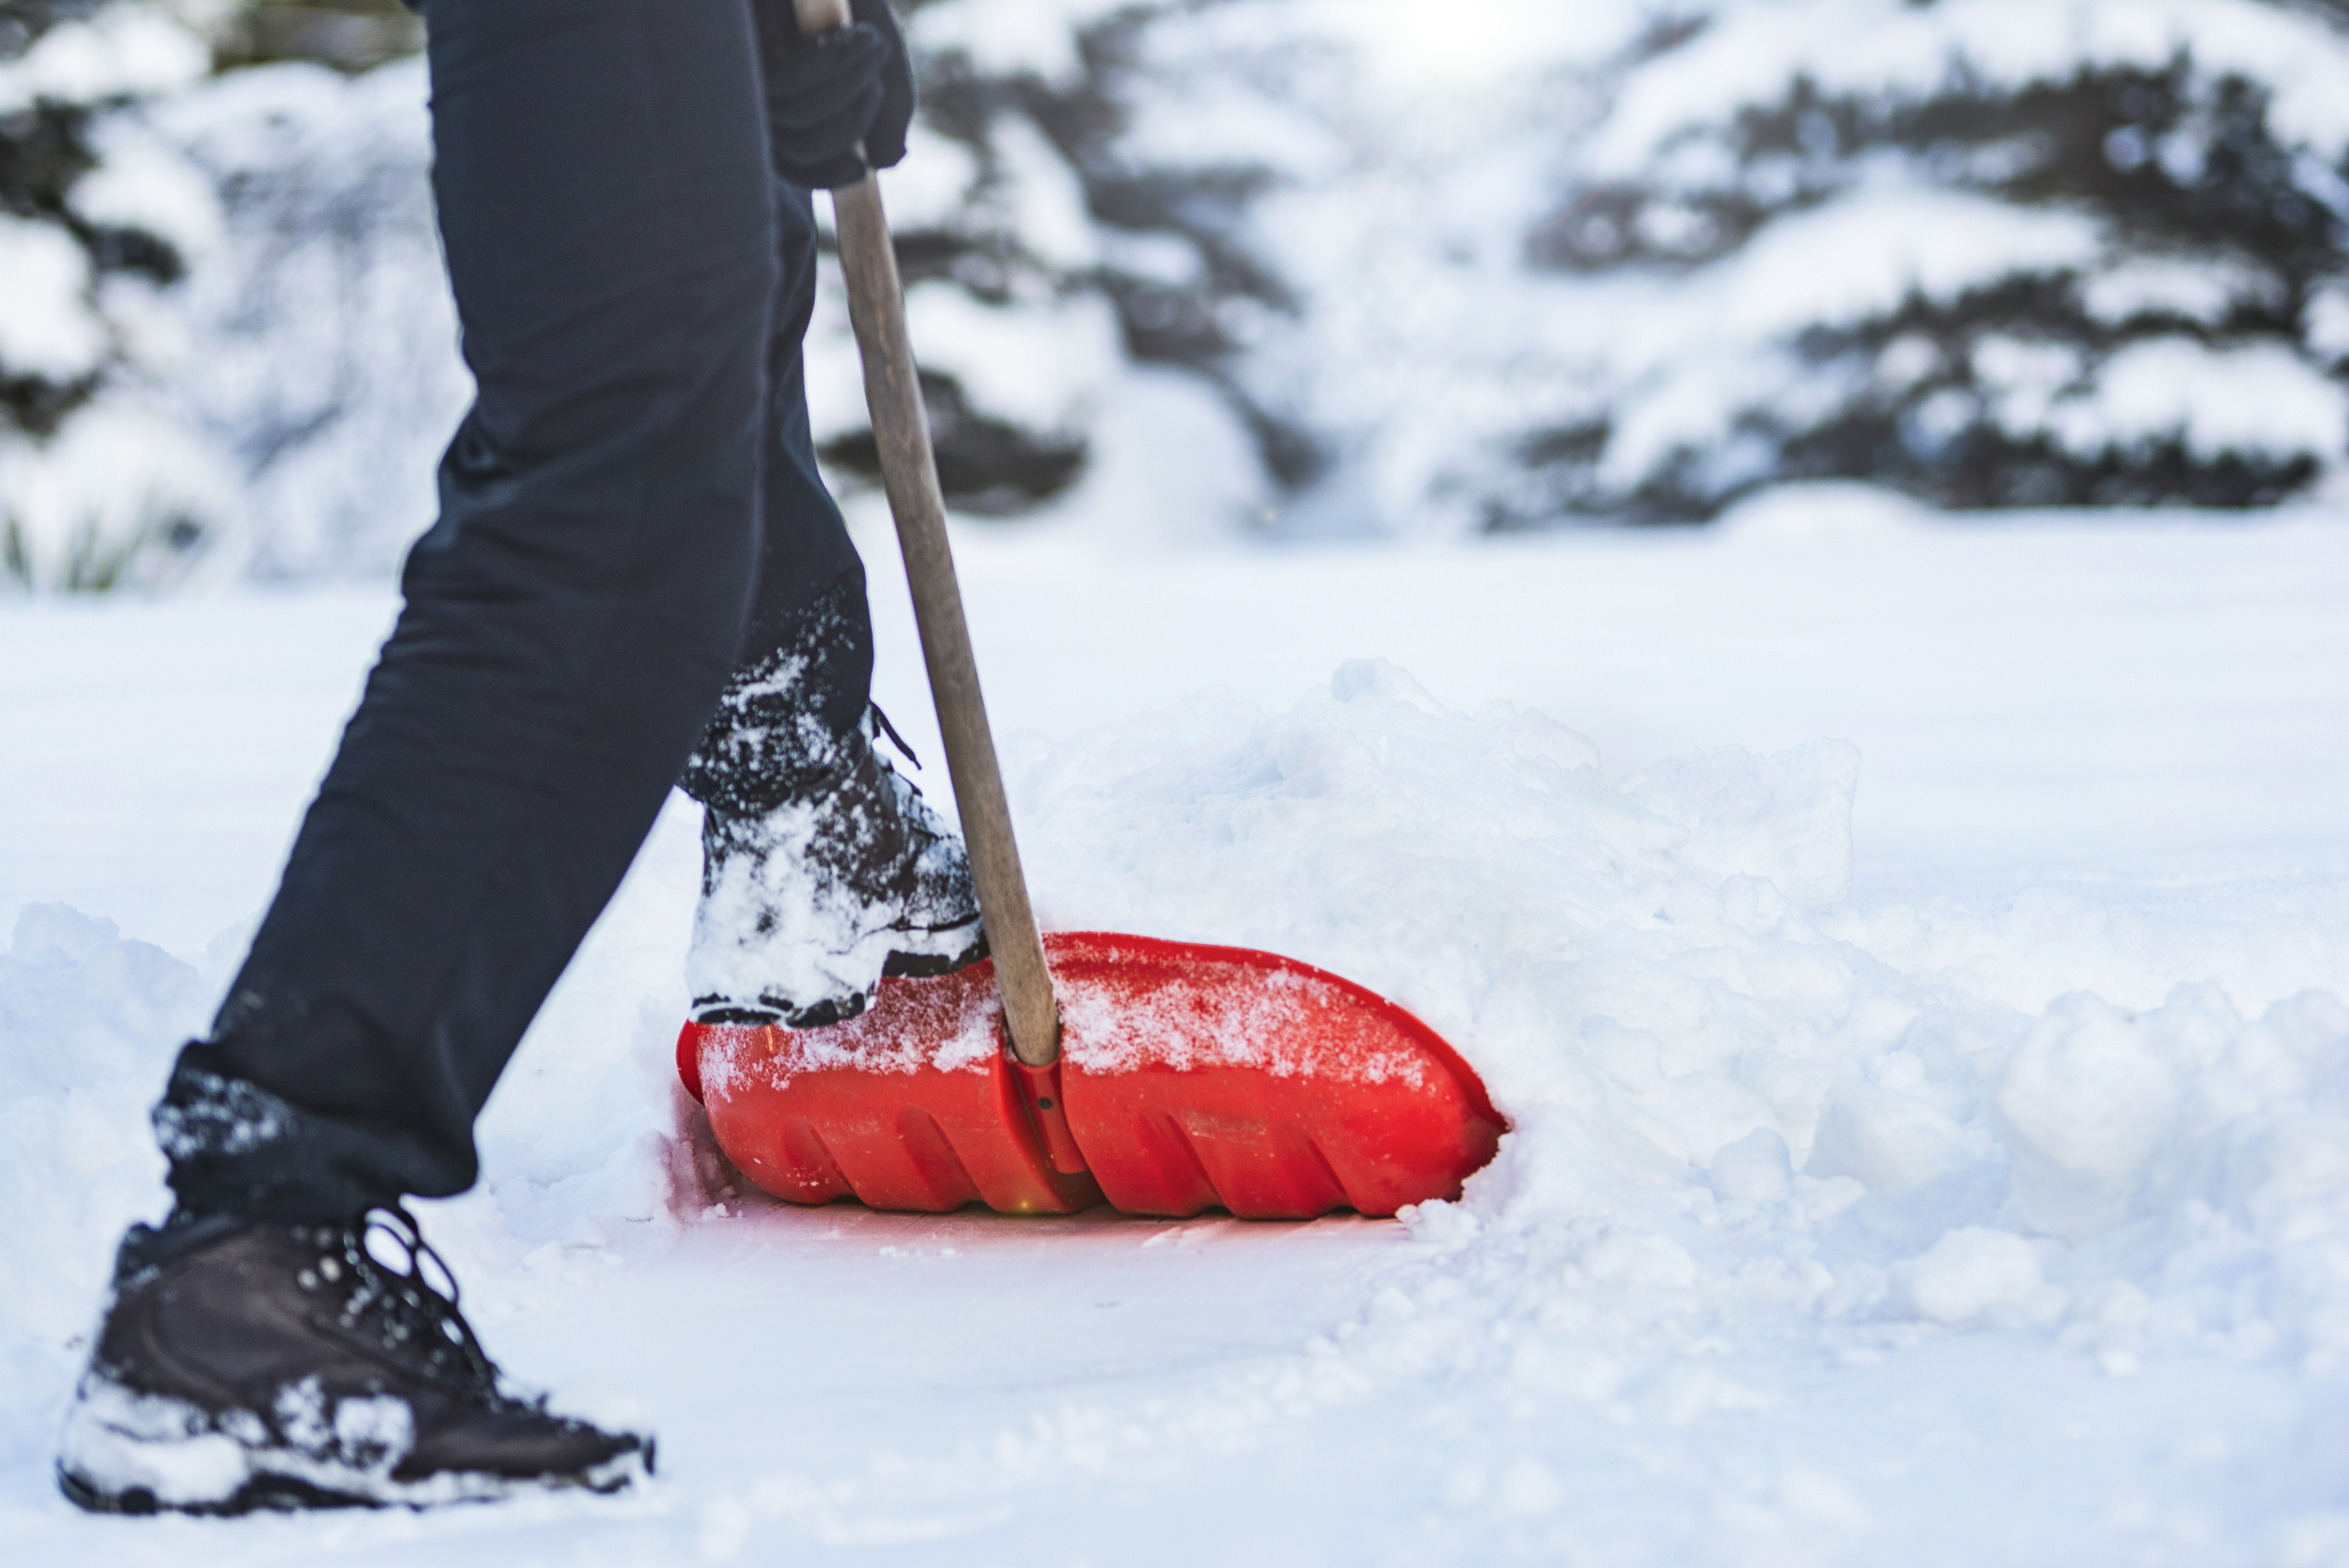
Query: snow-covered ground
[1911,955]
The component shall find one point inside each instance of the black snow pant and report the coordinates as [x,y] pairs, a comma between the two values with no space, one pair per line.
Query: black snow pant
[631,516]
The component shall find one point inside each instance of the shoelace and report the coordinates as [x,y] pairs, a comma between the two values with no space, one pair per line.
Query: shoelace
[881,726]
[410,1313]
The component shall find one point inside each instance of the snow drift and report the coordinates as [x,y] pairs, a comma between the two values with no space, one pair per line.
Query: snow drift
[1732,1105]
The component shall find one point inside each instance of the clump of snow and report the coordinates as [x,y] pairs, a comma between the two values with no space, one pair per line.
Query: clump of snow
[47,325]
[123,51]
[2086,1105]
[1785,821]
[786,922]
[1043,367]
[2155,286]
[1852,46]
[2258,398]
[142,182]
[91,1020]
[2328,318]
[1011,36]
[1756,1168]
[124,1441]
[944,1028]
[1828,512]
[1974,1273]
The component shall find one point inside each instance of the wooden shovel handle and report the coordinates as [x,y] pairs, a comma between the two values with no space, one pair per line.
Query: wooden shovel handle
[909,475]
[821,16]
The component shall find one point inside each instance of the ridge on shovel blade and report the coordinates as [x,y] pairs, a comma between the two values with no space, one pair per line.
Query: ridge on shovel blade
[913,1103]
[1192,1078]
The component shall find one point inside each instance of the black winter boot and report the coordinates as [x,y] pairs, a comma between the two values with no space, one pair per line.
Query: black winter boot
[822,869]
[244,1364]
[805,906]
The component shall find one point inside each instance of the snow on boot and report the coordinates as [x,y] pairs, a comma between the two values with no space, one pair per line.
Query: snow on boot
[805,907]
[245,1364]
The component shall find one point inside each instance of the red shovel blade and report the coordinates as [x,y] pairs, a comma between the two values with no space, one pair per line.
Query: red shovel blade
[1192,1078]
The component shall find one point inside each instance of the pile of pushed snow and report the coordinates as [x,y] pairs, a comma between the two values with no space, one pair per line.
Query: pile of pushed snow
[1726,1106]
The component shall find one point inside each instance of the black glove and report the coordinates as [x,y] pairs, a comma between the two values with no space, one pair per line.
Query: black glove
[824,96]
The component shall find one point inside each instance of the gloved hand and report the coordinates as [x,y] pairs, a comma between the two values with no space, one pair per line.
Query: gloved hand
[826,94]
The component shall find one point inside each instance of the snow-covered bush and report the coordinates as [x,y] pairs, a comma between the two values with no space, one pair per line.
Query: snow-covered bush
[100,487]
[1178,263]
[1993,252]
[1042,263]
[330,368]
[1380,165]
[1542,265]
[1016,341]
[1238,179]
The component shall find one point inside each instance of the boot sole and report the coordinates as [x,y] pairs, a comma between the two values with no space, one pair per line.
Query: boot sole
[930,966]
[272,1491]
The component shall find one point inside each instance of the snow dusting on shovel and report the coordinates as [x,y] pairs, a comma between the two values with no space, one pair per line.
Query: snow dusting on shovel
[1285,1022]
[1279,1020]
[952,1027]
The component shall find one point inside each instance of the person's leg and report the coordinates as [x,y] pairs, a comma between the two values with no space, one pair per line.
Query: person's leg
[822,868]
[602,188]
[805,674]
[571,619]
